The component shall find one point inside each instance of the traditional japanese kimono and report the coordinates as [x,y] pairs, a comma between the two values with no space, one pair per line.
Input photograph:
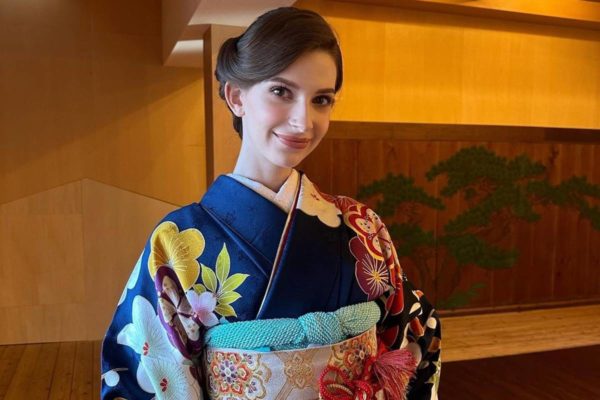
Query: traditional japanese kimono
[246,255]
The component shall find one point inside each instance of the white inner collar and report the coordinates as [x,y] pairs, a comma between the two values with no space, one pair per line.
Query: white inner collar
[284,198]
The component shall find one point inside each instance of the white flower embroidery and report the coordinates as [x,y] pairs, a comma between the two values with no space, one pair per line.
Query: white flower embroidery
[145,333]
[171,381]
[312,203]
[162,369]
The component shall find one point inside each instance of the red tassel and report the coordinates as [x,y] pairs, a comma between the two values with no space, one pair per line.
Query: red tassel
[393,370]
[390,371]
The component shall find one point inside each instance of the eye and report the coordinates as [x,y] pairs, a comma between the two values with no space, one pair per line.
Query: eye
[324,100]
[281,91]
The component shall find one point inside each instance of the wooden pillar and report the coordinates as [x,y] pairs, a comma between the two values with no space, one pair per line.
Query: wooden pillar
[222,141]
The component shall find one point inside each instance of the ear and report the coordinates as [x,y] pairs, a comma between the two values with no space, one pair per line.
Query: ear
[234,98]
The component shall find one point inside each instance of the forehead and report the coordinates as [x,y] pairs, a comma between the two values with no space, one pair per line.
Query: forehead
[312,71]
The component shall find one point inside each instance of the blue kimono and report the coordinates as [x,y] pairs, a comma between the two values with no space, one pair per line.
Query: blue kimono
[243,254]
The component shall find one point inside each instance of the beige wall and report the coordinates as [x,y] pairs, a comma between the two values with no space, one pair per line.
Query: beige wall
[66,255]
[412,66]
[84,95]
[97,142]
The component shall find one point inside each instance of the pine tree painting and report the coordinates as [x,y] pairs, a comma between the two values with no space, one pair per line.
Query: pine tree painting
[499,191]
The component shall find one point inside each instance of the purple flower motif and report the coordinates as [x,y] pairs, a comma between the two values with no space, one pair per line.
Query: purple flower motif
[203,305]
[176,314]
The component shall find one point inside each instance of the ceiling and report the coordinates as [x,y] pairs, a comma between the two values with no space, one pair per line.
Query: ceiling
[185,21]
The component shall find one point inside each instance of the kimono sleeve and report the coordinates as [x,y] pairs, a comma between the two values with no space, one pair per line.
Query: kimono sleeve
[410,321]
[152,345]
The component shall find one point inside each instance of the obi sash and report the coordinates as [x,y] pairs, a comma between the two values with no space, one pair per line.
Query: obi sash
[285,374]
[330,356]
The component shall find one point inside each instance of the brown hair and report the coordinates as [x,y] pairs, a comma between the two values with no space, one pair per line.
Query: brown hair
[270,44]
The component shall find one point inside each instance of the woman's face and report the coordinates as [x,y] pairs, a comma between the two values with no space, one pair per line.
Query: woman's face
[285,117]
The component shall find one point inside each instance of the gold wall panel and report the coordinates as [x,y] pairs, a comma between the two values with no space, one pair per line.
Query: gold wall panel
[414,66]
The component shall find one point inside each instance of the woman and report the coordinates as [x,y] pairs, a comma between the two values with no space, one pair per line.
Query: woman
[268,288]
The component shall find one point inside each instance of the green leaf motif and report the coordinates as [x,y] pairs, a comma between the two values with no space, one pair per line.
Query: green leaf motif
[225,310]
[233,282]
[223,263]
[199,288]
[209,278]
[228,298]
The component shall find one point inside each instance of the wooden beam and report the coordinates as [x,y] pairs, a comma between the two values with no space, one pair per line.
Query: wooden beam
[578,13]
[453,132]
[175,16]
[222,142]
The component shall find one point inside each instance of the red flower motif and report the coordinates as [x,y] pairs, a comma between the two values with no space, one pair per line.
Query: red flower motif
[164,384]
[344,203]
[372,275]
[371,231]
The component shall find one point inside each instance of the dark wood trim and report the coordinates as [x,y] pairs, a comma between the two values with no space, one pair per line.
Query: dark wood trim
[222,142]
[453,132]
[518,307]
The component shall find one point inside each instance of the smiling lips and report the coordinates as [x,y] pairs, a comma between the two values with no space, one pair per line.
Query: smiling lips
[292,141]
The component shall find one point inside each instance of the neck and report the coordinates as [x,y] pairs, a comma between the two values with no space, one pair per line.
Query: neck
[269,175]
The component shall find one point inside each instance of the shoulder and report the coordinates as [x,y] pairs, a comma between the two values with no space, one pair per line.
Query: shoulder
[184,213]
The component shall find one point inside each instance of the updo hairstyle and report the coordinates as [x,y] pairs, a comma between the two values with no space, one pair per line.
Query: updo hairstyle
[272,43]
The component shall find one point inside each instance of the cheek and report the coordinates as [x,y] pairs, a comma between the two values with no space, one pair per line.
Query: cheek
[270,114]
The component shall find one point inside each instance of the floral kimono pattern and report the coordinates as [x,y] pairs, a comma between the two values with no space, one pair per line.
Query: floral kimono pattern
[236,256]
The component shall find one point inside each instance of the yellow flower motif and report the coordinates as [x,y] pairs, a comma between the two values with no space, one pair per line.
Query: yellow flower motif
[179,250]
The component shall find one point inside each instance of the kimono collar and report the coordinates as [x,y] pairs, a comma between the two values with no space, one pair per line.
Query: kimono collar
[240,210]
[283,199]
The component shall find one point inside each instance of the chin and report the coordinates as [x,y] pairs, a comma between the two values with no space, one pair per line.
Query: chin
[289,162]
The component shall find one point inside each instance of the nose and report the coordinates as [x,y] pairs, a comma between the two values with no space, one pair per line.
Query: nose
[301,116]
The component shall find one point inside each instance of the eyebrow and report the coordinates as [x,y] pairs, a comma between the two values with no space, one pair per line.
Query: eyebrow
[292,84]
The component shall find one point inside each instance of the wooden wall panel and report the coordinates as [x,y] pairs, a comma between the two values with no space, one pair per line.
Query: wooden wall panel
[38,232]
[502,281]
[591,281]
[469,276]
[346,181]
[565,272]
[415,66]
[544,231]
[558,256]
[84,94]
[322,164]
[222,141]
[66,256]
[121,234]
[445,269]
